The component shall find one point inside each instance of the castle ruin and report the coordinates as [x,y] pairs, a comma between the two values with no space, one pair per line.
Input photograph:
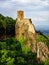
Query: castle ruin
[24,27]
[22,23]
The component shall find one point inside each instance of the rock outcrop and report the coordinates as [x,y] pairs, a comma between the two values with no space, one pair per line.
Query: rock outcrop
[42,51]
[24,27]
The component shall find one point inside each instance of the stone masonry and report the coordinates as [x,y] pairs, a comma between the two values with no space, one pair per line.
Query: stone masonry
[25,27]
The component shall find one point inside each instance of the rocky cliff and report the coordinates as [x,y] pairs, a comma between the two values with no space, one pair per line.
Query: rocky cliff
[24,27]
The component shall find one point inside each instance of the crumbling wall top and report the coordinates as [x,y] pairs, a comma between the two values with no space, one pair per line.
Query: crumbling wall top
[20,14]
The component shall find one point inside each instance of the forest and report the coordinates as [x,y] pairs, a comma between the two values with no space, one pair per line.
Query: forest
[7,26]
[12,51]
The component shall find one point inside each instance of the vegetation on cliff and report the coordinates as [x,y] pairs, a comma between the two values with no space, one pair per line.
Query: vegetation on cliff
[41,38]
[7,26]
[12,51]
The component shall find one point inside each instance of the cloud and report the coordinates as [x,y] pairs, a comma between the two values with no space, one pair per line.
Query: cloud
[21,1]
[35,4]
[38,2]
[38,10]
[5,4]
[38,19]
[45,3]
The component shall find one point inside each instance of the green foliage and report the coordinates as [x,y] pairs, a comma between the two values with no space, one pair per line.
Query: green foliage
[25,48]
[2,29]
[10,61]
[47,62]
[41,38]
[7,26]
[10,26]
[11,53]
[9,49]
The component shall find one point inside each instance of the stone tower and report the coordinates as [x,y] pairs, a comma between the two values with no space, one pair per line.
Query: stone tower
[20,15]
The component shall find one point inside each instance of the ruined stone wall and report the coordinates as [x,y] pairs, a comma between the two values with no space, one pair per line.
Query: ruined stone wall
[20,15]
[23,24]
[25,27]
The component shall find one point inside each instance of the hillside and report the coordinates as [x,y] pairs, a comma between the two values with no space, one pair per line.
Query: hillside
[14,52]
[7,26]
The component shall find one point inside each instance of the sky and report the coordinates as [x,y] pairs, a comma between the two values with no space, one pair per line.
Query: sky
[37,10]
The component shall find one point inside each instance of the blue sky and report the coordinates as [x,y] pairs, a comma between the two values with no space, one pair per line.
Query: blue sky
[37,10]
